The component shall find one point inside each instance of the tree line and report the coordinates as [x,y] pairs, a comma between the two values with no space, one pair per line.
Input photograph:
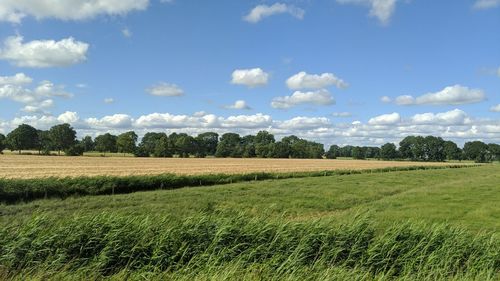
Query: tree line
[62,138]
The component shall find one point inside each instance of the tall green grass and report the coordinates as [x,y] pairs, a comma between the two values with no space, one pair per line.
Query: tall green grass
[16,190]
[108,246]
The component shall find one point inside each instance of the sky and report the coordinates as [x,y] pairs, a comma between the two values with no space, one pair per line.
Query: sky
[360,72]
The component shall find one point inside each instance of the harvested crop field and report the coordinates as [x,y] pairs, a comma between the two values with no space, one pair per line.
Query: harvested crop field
[31,166]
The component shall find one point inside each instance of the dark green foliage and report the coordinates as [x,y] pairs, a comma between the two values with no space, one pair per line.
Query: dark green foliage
[207,143]
[149,141]
[15,190]
[22,138]
[108,244]
[494,151]
[106,143]
[163,147]
[229,146]
[359,152]
[126,142]
[477,151]
[451,151]
[62,136]
[388,151]
[88,144]
[3,144]
[76,149]
[333,152]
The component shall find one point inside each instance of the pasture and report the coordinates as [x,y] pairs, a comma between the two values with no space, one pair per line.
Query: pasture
[33,166]
[403,225]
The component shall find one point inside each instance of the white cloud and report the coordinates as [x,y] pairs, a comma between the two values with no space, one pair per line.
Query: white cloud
[385,119]
[246,121]
[386,99]
[109,100]
[319,97]
[342,114]
[495,108]
[239,104]
[304,123]
[126,32]
[43,53]
[250,77]
[165,90]
[40,107]
[35,100]
[302,80]
[453,117]
[262,11]
[452,95]
[380,9]
[15,10]
[486,4]
[112,121]
[455,125]
[68,117]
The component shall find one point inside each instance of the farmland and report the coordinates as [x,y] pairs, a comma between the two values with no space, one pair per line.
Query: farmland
[423,224]
[31,166]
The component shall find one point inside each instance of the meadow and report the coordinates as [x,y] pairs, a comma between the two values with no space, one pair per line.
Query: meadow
[440,224]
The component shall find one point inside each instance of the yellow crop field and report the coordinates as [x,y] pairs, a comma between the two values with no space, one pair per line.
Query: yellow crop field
[32,166]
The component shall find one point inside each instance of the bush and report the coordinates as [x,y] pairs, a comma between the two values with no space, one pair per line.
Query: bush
[74,150]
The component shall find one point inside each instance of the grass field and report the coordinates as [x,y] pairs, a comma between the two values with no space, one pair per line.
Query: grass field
[33,166]
[410,225]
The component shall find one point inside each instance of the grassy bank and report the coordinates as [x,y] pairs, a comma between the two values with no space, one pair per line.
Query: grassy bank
[16,190]
[108,245]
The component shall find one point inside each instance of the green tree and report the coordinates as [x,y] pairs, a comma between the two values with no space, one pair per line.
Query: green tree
[163,147]
[494,150]
[229,146]
[185,145]
[126,142]
[333,152]
[359,152]
[63,136]
[105,143]
[280,149]
[388,151]
[263,144]
[150,140]
[44,142]
[3,144]
[477,151]
[88,144]
[452,151]
[22,138]
[207,143]
[76,149]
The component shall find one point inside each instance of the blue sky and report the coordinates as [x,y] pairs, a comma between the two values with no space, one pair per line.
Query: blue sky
[193,66]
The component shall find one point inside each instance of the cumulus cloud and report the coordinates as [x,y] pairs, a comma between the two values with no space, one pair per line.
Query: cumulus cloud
[319,97]
[35,100]
[302,80]
[15,10]
[17,79]
[455,125]
[453,117]
[165,90]
[380,9]
[486,4]
[250,77]
[452,95]
[43,53]
[112,121]
[495,108]
[239,104]
[263,11]
[385,119]
[304,123]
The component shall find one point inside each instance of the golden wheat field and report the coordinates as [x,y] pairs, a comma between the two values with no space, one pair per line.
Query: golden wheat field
[32,166]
